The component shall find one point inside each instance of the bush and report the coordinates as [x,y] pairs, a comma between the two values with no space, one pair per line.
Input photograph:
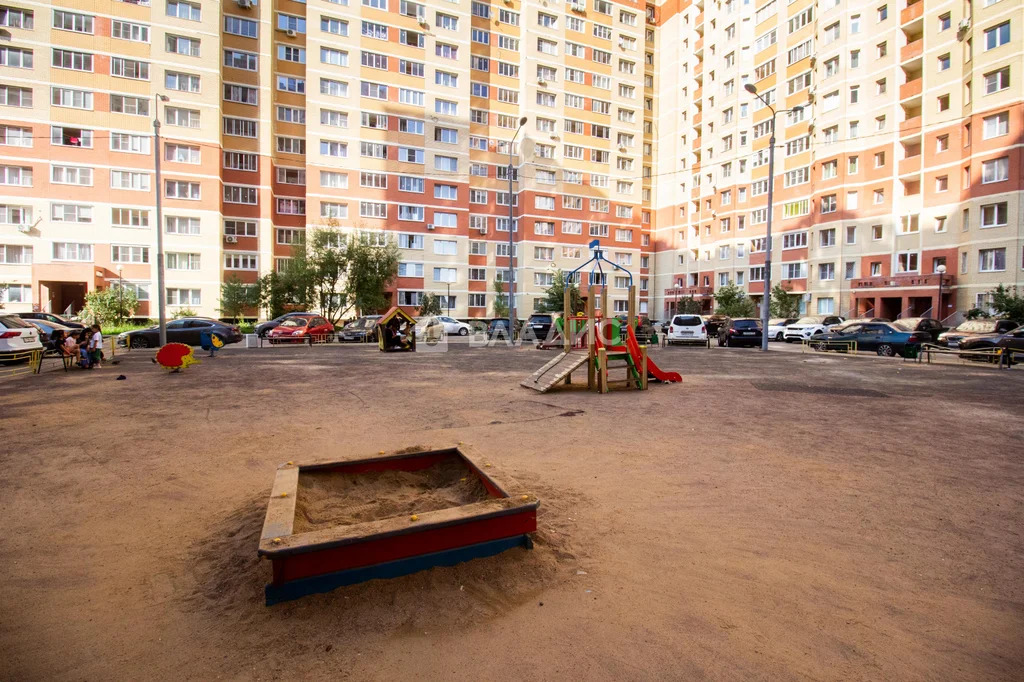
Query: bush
[732,301]
[109,306]
[183,312]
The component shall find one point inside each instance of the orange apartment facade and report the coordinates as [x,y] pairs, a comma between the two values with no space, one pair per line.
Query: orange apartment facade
[392,118]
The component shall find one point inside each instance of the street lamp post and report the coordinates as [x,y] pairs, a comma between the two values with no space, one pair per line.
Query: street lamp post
[160,293]
[766,298]
[940,270]
[120,296]
[511,247]
[448,298]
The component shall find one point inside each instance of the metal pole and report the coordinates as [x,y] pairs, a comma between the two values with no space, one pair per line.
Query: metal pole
[120,296]
[511,223]
[767,297]
[448,298]
[161,294]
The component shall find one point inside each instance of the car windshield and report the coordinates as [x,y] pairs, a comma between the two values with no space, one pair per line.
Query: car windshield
[686,321]
[540,318]
[746,324]
[12,322]
[809,320]
[776,321]
[978,326]
[295,322]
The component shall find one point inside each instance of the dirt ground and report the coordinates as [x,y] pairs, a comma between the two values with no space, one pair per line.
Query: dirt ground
[772,517]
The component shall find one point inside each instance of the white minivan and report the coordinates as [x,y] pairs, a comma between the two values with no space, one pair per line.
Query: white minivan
[686,329]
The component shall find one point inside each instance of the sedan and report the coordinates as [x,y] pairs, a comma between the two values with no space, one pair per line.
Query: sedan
[183,330]
[17,336]
[360,331]
[453,326]
[48,333]
[744,331]
[263,328]
[1012,342]
[926,325]
[302,328]
[881,337]
[986,327]
[50,317]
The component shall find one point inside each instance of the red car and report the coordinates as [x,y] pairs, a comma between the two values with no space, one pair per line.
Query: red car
[302,328]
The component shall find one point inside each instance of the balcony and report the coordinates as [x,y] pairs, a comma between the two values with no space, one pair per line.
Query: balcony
[911,89]
[910,166]
[912,50]
[912,12]
[698,47]
[911,126]
[697,118]
[684,292]
[902,281]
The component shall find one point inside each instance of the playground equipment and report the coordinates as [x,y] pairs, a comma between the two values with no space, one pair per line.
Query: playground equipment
[396,331]
[390,532]
[596,339]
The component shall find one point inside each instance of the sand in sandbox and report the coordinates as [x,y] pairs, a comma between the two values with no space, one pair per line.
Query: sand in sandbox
[332,498]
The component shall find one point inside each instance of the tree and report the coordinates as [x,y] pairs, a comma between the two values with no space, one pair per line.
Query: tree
[236,297]
[688,306]
[272,293]
[1008,303]
[430,304]
[371,269]
[321,269]
[500,299]
[113,304]
[554,297]
[784,304]
[733,302]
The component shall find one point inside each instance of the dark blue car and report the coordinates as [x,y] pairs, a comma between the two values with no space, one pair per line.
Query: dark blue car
[880,337]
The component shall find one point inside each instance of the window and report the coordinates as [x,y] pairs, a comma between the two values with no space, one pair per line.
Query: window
[826,271]
[184,296]
[994,215]
[908,261]
[14,255]
[129,254]
[291,176]
[240,194]
[181,153]
[996,125]
[247,28]
[411,213]
[996,170]
[69,213]
[827,238]
[72,251]
[129,180]
[408,183]
[997,35]
[285,206]
[71,175]
[184,118]
[181,189]
[373,209]
[240,127]
[794,240]
[992,260]
[183,10]
[13,96]
[291,145]
[184,225]
[944,21]
[794,270]
[446,247]
[15,17]
[68,59]
[997,80]
[181,45]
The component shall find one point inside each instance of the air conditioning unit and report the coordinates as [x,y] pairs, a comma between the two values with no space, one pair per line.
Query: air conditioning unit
[622,148]
[245,4]
[963,25]
[430,226]
[291,33]
[24,228]
[541,81]
[483,230]
[577,8]
[230,239]
[424,24]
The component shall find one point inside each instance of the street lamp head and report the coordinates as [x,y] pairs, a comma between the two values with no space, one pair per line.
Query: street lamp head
[797,109]
[749,87]
[941,269]
[164,98]
[522,121]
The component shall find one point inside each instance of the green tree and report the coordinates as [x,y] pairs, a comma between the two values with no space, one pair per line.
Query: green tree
[110,305]
[1008,303]
[272,292]
[236,297]
[554,296]
[732,301]
[688,306]
[784,304]
[371,269]
[430,304]
[500,299]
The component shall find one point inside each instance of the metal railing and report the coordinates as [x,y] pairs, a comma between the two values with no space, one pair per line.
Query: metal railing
[822,346]
[24,362]
[998,356]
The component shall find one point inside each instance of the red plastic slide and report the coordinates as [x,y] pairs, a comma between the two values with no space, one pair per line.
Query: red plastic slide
[652,368]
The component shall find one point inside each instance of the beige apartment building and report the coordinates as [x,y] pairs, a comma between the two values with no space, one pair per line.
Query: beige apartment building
[393,118]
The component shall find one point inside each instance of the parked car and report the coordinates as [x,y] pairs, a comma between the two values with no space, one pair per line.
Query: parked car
[498,326]
[46,331]
[806,327]
[453,326]
[985,327]
[17,336]
[538,326]
[183,330]
[713,322]
[930,326]
[743,331]
[882,337]
[302,328]
[263,328]
[777,327]
[686,329]
[430,328]
[360,330]
[50,317]
[1012,340]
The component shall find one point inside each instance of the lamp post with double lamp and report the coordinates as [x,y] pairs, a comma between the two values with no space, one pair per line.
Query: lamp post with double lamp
[766,298]
[511,223]
[120,296]
[160,293]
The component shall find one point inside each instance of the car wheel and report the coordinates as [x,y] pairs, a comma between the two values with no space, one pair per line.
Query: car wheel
[139,342]
[463,331]
[886,350]
[778,337]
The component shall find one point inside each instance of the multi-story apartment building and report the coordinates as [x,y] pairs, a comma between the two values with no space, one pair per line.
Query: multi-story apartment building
[393,118]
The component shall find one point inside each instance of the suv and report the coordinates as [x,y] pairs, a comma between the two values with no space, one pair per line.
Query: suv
[777,327]
[538,326]
[744,331]
[806,327]
[686,329]
[360,330]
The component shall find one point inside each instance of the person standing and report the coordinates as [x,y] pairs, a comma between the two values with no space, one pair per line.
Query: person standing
[96,347]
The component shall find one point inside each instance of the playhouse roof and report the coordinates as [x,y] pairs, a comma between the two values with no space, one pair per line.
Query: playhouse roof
[395,312]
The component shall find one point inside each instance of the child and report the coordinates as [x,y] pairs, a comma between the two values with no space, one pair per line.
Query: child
[83,349]
[96,347]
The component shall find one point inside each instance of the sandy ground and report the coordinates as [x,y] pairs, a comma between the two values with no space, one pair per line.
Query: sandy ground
[779,517]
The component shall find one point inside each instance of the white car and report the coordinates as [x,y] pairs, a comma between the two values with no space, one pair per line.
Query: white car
[449,324]
[806,327]
[686,329]
[777,327]
[17,336]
